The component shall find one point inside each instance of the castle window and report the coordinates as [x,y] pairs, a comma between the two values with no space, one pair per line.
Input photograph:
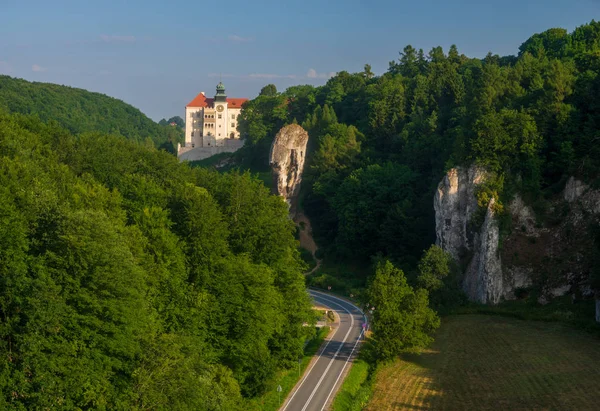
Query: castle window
[233,116]
[232,136]
[233,125]
[219,116]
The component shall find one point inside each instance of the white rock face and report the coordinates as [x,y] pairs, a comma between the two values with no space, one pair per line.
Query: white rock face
[524,216]
[288,153]
[513,278]
[578,190]
[483,278]
[574,189]
[454,204]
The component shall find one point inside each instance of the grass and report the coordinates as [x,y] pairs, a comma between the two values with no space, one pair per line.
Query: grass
[580,314]
[269,401]
[481,362]
[355,390]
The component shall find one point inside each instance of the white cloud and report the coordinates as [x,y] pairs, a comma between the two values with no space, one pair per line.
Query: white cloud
[271,76]
[239,39]
[38,69]
[223,75]
[117,39]
[267,76]
[312,73]
[4,67]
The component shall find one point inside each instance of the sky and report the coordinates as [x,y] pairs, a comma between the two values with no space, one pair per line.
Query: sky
[158,55]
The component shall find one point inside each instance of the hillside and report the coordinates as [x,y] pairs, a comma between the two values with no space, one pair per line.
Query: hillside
[380,145]
[81,111]
[130,281]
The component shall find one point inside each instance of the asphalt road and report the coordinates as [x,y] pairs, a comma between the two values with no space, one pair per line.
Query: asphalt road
[324,376]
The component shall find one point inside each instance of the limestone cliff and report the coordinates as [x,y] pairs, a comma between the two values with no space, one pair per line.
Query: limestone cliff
[483,277]
[476,247]
[551,256]
[454,204]
[288,153]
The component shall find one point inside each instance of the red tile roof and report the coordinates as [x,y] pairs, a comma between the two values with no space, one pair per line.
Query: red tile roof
[202,101]
[236,102]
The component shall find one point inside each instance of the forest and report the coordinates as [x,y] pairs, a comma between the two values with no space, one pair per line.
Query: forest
[81,111]
[130,281]
[381,144]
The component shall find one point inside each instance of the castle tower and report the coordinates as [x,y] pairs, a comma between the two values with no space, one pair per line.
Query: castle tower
[221,129]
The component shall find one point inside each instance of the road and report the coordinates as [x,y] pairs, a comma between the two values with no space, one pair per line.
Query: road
[325,375]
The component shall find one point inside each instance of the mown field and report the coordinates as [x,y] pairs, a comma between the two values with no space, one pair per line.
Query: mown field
[483,362]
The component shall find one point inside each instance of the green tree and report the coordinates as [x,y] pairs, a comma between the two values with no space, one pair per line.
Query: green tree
[402,319]
[269,90]
[433,268]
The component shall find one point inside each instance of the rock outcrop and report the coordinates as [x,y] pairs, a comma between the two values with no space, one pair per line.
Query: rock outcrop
[455,203]
[288,153]
[483,278]
[551,257]
[589,199]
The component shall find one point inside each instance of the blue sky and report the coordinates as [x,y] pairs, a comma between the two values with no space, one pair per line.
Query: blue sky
[157,55]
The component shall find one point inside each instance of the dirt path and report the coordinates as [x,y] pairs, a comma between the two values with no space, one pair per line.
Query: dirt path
[306,238]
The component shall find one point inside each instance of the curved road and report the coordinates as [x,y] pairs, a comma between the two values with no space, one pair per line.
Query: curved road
[324,377]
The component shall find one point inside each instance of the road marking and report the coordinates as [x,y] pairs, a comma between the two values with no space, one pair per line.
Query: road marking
[351,352]
[332,359]
[328,298]
[307,373]
[342,372]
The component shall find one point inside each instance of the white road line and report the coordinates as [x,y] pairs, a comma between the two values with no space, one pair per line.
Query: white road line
[353,348]
[342,372]
[307,373]
[328,297]
[339,299]
[332,359]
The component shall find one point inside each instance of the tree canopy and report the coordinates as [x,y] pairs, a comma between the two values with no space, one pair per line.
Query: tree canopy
[131,281]
[379,145]
[81,111]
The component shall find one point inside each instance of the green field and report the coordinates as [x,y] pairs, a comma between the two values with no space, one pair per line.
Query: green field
[480,362]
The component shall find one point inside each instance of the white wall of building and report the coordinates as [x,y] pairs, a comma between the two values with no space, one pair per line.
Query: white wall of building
[208,127]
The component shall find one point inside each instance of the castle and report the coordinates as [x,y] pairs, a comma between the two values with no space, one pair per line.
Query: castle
[211,126]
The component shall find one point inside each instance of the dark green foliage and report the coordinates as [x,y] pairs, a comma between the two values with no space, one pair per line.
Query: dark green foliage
[130,281]
[439,275]
[269,90]
[402,319]
[81,111]
[379,145]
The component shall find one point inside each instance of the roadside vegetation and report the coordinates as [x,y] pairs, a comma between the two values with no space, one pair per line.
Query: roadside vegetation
[272,399]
